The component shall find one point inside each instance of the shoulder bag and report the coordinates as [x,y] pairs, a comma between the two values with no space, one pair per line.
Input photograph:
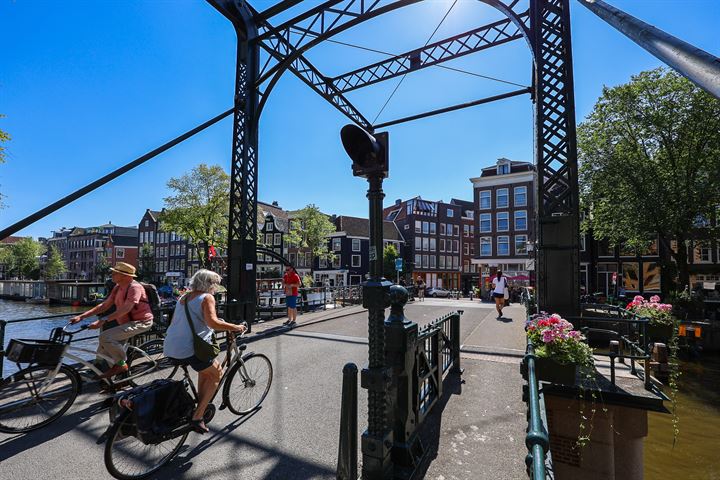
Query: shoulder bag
[204,351]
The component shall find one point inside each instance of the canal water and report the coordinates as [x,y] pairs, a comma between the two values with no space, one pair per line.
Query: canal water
[695,455]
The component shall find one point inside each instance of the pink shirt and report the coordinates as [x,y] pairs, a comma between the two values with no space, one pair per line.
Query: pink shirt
[134,293]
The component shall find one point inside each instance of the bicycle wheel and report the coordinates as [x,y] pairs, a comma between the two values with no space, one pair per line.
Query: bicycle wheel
[248,383]
[127,458]
[30,398]
[140,365]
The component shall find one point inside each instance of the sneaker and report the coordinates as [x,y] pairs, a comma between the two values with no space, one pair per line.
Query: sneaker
[114,370]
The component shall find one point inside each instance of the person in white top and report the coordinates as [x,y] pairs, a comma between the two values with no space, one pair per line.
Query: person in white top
[499,286]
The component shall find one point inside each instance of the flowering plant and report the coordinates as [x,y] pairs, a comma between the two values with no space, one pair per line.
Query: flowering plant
[658,313]
[554,337]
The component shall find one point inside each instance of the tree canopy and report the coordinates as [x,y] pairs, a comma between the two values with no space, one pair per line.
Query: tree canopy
[649,158]
[199,207]
[390,253]
[55,265]
[310,228]
[22,259]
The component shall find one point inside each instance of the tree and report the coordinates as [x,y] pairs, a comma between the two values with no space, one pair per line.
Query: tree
[650,161]
[390,253]
[310,228]
[23,260]
[146,263]
[199,208]
[55,265]
[102,269]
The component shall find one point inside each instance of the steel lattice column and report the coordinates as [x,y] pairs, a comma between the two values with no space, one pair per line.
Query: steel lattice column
[557,227]
[242,231]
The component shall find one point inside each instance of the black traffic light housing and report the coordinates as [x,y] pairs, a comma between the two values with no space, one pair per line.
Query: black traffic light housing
[369,153]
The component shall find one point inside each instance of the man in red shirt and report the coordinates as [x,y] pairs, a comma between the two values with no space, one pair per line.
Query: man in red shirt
[132,314]
[291,279]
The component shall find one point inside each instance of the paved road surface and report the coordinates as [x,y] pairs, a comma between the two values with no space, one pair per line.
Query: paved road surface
[295,435]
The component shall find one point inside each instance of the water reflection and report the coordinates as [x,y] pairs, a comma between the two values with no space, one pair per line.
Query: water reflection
[695,455]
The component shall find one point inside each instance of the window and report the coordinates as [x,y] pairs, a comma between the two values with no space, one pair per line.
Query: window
[418,243]
[442,229]
[450,212]
[582,242]
[456,230]
[503,169]
[520,244]
[442,261]
[269,227]
[308,259]
[147,223]
[433,228]
[501,198]
[503,245]
[323,262]
[520,199]
[456,263]
[486,222]
[433,244]
[418,261]
[268,239]
[336,244]
[426,244]
[457,246]
[418,226]
[702,253]
[484,201]
[466,230]
[521,220]
[449,229]
[355,244]
[425,261]
[503,221]
[432,261]
[425,228]
[442,244]
[336,261]
[469,214]
[278,239]
[485,246]
[356,260]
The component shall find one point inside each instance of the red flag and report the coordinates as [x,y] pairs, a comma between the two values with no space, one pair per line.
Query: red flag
[211,253]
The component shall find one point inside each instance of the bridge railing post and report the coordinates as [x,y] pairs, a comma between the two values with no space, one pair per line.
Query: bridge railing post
[455,341]
[347,450]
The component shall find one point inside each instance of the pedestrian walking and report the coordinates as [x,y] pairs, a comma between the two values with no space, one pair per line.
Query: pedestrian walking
[500,289]
[421,289]
[291,281]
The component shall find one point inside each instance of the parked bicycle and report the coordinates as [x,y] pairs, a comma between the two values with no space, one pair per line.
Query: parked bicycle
[134,450]
[41,392]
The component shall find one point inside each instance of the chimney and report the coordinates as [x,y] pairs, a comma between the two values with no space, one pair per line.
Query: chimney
[275,203]
[398,202]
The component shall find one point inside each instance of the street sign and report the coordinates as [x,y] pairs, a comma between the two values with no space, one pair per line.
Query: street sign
[399,264]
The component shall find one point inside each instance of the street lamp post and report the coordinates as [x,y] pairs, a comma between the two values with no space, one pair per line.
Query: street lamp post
[369,156]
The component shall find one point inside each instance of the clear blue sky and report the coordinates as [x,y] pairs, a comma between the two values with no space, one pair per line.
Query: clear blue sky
[87,86]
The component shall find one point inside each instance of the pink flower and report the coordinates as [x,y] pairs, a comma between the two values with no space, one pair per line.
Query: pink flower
[638,299]
[655,299]
[548,336]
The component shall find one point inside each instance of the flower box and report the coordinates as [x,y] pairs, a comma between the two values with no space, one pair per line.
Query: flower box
[659,333]
[548,370]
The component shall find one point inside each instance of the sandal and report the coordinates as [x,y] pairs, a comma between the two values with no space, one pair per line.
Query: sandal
[199,426]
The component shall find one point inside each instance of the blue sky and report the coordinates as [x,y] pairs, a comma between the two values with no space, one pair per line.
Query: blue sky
[87,86]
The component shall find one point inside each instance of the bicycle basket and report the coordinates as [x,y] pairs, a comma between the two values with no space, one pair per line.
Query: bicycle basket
[43,352]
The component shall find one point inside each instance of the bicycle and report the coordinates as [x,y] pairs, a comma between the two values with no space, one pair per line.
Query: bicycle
[42,392]
[127,457]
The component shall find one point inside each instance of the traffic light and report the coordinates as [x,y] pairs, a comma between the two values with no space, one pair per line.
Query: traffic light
[369,153]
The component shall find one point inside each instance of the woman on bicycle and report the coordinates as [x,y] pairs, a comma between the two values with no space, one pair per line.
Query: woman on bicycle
[179,337]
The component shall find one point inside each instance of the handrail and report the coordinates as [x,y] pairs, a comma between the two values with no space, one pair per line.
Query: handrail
[536,440]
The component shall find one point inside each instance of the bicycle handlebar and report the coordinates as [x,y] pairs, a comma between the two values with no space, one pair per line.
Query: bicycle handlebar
[82,327]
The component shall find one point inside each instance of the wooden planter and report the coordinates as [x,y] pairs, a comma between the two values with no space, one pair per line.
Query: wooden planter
[659,333]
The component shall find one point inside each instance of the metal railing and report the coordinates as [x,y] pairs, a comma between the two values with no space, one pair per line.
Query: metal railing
[271,305]
[628,336]
[536,440]
[438,351]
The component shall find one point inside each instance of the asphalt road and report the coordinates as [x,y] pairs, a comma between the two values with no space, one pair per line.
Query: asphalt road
[295,433]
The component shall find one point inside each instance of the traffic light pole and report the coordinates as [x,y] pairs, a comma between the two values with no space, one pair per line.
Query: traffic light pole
[377,440]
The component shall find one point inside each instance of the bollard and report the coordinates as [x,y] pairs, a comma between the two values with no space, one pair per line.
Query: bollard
[614,350]
[347,450]
[455,339]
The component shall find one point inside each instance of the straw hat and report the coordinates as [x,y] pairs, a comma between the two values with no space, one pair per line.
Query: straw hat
[124,269]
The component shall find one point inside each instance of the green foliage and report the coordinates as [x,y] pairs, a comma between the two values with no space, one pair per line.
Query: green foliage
[389,255]
[199,208]
[146,263]
[102,269]
[310,228]
[22,259]
[649,158]
[307,281]
[55,265]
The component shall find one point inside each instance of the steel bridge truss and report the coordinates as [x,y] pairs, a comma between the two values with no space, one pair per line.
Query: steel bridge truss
[543,24]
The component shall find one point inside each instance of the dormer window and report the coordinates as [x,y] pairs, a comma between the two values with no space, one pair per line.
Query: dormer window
[503,168]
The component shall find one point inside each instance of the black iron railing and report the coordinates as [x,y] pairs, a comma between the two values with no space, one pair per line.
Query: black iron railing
[536,440]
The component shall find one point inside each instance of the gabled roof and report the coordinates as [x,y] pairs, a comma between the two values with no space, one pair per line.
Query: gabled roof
[360,227]
[11,240]
[154,214]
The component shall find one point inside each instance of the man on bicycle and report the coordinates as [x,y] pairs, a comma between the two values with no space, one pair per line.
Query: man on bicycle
[132,315]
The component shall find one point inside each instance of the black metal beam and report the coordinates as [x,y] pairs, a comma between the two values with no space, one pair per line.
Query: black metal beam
[29,220]
[481,38]
[275,10]
[454,107]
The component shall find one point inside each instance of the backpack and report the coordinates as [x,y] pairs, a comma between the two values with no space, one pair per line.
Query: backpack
[153,298]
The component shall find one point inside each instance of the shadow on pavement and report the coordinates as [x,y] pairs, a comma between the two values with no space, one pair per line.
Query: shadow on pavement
[432,428]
